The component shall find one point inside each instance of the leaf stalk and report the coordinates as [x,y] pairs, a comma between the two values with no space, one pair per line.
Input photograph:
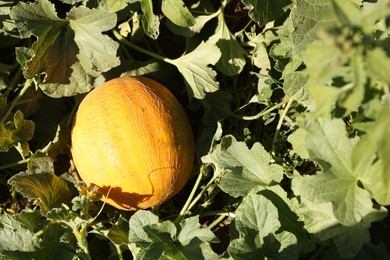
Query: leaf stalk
[26,86]
[124,41]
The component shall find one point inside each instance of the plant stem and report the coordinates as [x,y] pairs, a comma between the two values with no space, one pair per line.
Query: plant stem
[264,112]
[119,251]
[122,40]
[82,242]
[217,221]
[13,164]
[279,126]
[27,84]
[218,213]
[203,191]
[192,194]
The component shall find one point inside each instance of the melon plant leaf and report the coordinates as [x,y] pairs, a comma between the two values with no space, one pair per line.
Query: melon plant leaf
[377,180]
[119,232]
[377,58]
[190,31]
[263,11]
[162,237]
[97,52]
[308,18]
[289,220]
[190,230]
[50,189]
[69,52]
[347,12]
[295,85]
[5,10]
[232,60]
[113,6]
[150,21]
[321,222]
[136,223]
[15,236]
[6,140]
[256,218]
[297,139]
[194,66]
[242,169]
[18,130]
[177,12]
[337,182]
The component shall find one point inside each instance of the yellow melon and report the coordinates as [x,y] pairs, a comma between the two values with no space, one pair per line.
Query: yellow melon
[132,137]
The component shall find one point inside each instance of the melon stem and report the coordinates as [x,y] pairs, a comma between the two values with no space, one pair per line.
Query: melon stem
[280,122]
[124,41]
[27,84]
[186,206]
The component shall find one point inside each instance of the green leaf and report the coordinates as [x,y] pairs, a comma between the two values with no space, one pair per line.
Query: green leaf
[16,131]
[177,12]
[377,180]
[352,98]
[200,22]
[232,60]
[136,223]
[264,11]
[376,59]
[261,58]
[308,18]
[243,169]
[150,22]
[97,52]
[119,232]
[23,56]
[321,222]
[5,10]
[23,130]
[297,139]
[256,218]
[194,67]
[32,219]
[6,140]
[51,190]
[190,230]
[295,86]
[337,182]
[113,6]
[347,12]
[70,52]
[15,236]
[162,235]
[194,240]
[52,245]
[217,106]
[288,210]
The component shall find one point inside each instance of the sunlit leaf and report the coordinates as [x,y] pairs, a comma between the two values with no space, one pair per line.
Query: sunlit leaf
[308,18]
[194,66]
[328,145]
[256,218]
[242,169]
[15,236]
[70,52]
[177,12]
[51,190]
[150,21]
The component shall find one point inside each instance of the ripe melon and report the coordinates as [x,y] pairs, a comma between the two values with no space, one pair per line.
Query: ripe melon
[132,138]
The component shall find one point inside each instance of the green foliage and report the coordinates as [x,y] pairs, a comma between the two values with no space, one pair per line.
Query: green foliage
[289,102]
